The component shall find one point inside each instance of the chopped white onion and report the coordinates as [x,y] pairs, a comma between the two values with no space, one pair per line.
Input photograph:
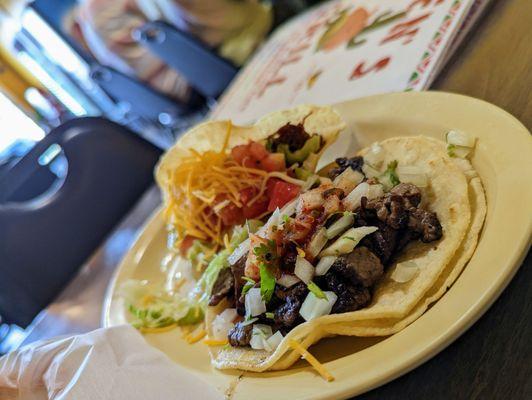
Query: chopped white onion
[347,242]
[289,208]
[311,180]
[370,171]
[375,155]
[325,264]
[288,280]
[340,226]
[412,174]
[375,191]
[460,139]
[249,321]
[275,340]
[259,334]
[223,323]
[317,242]
[352,200]
[239,252]
[303,269]
[314,307]
[458,151]
[404,272]
[309,200]
[275,219]
[254,303]
[348,179]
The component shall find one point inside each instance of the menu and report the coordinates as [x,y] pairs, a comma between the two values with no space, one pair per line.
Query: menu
[346,49]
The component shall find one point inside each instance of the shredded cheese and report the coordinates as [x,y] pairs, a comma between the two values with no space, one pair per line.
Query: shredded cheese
[311,360]
[214,342]
[300,252]
[157,330]
[194,337]
[203,184]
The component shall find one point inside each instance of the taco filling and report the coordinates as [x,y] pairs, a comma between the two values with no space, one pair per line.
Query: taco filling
[322,254]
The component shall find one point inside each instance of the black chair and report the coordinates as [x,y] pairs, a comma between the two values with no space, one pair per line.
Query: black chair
[140,99]
[43,241]
[204,70]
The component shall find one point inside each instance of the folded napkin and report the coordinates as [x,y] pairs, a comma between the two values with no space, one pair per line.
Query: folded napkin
[105,364]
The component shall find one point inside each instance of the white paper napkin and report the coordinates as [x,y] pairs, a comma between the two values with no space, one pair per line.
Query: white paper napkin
[105,364]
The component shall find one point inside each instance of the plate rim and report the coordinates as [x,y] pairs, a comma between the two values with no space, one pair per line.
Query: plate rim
[406,363]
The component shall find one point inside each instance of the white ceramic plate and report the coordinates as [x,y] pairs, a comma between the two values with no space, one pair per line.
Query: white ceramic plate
[503,158]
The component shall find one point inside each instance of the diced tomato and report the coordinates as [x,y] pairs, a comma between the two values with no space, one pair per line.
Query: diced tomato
[257,151]
[258,207]
[281,194]
[274,162]
[232,215]
[247,194]
[186,244]
[255,155]
[239,153]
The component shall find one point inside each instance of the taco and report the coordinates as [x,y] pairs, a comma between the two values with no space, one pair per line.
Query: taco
[282,255]
[219,183]
[408,222]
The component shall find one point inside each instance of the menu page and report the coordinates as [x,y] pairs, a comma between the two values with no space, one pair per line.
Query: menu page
[346,49]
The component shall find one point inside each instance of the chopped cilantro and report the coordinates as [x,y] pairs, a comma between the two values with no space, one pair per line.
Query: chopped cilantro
[390,178]
[267,283]
[316,291]
[247,287]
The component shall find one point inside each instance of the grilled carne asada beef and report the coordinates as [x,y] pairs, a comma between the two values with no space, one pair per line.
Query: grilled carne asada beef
[223,286]
[292,135]
[352,277]
[240,335]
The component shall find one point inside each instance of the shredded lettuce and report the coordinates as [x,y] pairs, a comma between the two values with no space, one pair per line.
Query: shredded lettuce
[152,307]
[197,254]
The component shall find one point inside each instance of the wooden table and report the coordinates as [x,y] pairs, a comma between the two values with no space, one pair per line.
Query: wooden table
[490,361]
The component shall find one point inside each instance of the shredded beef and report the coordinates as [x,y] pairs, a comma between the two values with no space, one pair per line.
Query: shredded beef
[350,297]
[223,286]
[287,315]
[425,223]
[360,267]
[238,272]
[382,242]
[292,135]
[343,163]
[240,335]
[410,194]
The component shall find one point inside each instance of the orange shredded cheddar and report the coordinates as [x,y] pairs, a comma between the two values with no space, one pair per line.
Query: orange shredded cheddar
[214,342]
[157,330]
[203,184]
[311,360]
[194,337]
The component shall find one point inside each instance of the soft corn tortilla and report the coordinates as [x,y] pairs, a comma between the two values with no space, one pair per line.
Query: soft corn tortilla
[323,121]
[449,196]
[388,326]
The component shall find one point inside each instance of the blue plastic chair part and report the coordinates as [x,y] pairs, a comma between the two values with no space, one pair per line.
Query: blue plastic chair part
[44,241]
[204,70]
